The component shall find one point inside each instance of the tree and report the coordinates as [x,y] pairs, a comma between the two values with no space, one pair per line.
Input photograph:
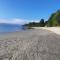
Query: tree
[54,19]
[42,24]
[50,20]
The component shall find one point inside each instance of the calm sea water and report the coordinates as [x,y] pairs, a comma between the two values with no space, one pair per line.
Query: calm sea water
[10,28]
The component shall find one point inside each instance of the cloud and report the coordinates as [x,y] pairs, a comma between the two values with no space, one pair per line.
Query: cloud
[17,21]
[13,21]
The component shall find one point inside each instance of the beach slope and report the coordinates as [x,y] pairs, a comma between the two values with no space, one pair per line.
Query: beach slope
[34,44]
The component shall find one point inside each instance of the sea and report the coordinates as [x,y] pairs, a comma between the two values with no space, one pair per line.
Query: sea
[5,28]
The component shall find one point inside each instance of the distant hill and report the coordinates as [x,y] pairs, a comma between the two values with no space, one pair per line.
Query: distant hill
[54,19]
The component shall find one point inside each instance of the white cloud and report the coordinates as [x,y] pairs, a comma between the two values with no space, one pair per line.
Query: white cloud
[17,21]
[13,21]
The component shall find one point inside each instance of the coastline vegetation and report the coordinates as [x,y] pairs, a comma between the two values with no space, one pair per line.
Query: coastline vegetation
[53,21]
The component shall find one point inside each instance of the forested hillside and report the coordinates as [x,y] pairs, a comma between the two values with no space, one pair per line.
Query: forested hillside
[53,21]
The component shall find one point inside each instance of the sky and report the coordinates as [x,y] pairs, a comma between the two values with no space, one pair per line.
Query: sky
[24,11]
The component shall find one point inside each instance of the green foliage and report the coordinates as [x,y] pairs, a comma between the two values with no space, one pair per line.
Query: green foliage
[50,20]
[54,20]
[35,24]
[42,24]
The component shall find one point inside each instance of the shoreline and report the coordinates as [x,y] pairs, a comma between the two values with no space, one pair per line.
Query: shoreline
[52,29]
[23,44]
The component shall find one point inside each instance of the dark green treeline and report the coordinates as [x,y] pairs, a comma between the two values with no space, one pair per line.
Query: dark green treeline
[54,20]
